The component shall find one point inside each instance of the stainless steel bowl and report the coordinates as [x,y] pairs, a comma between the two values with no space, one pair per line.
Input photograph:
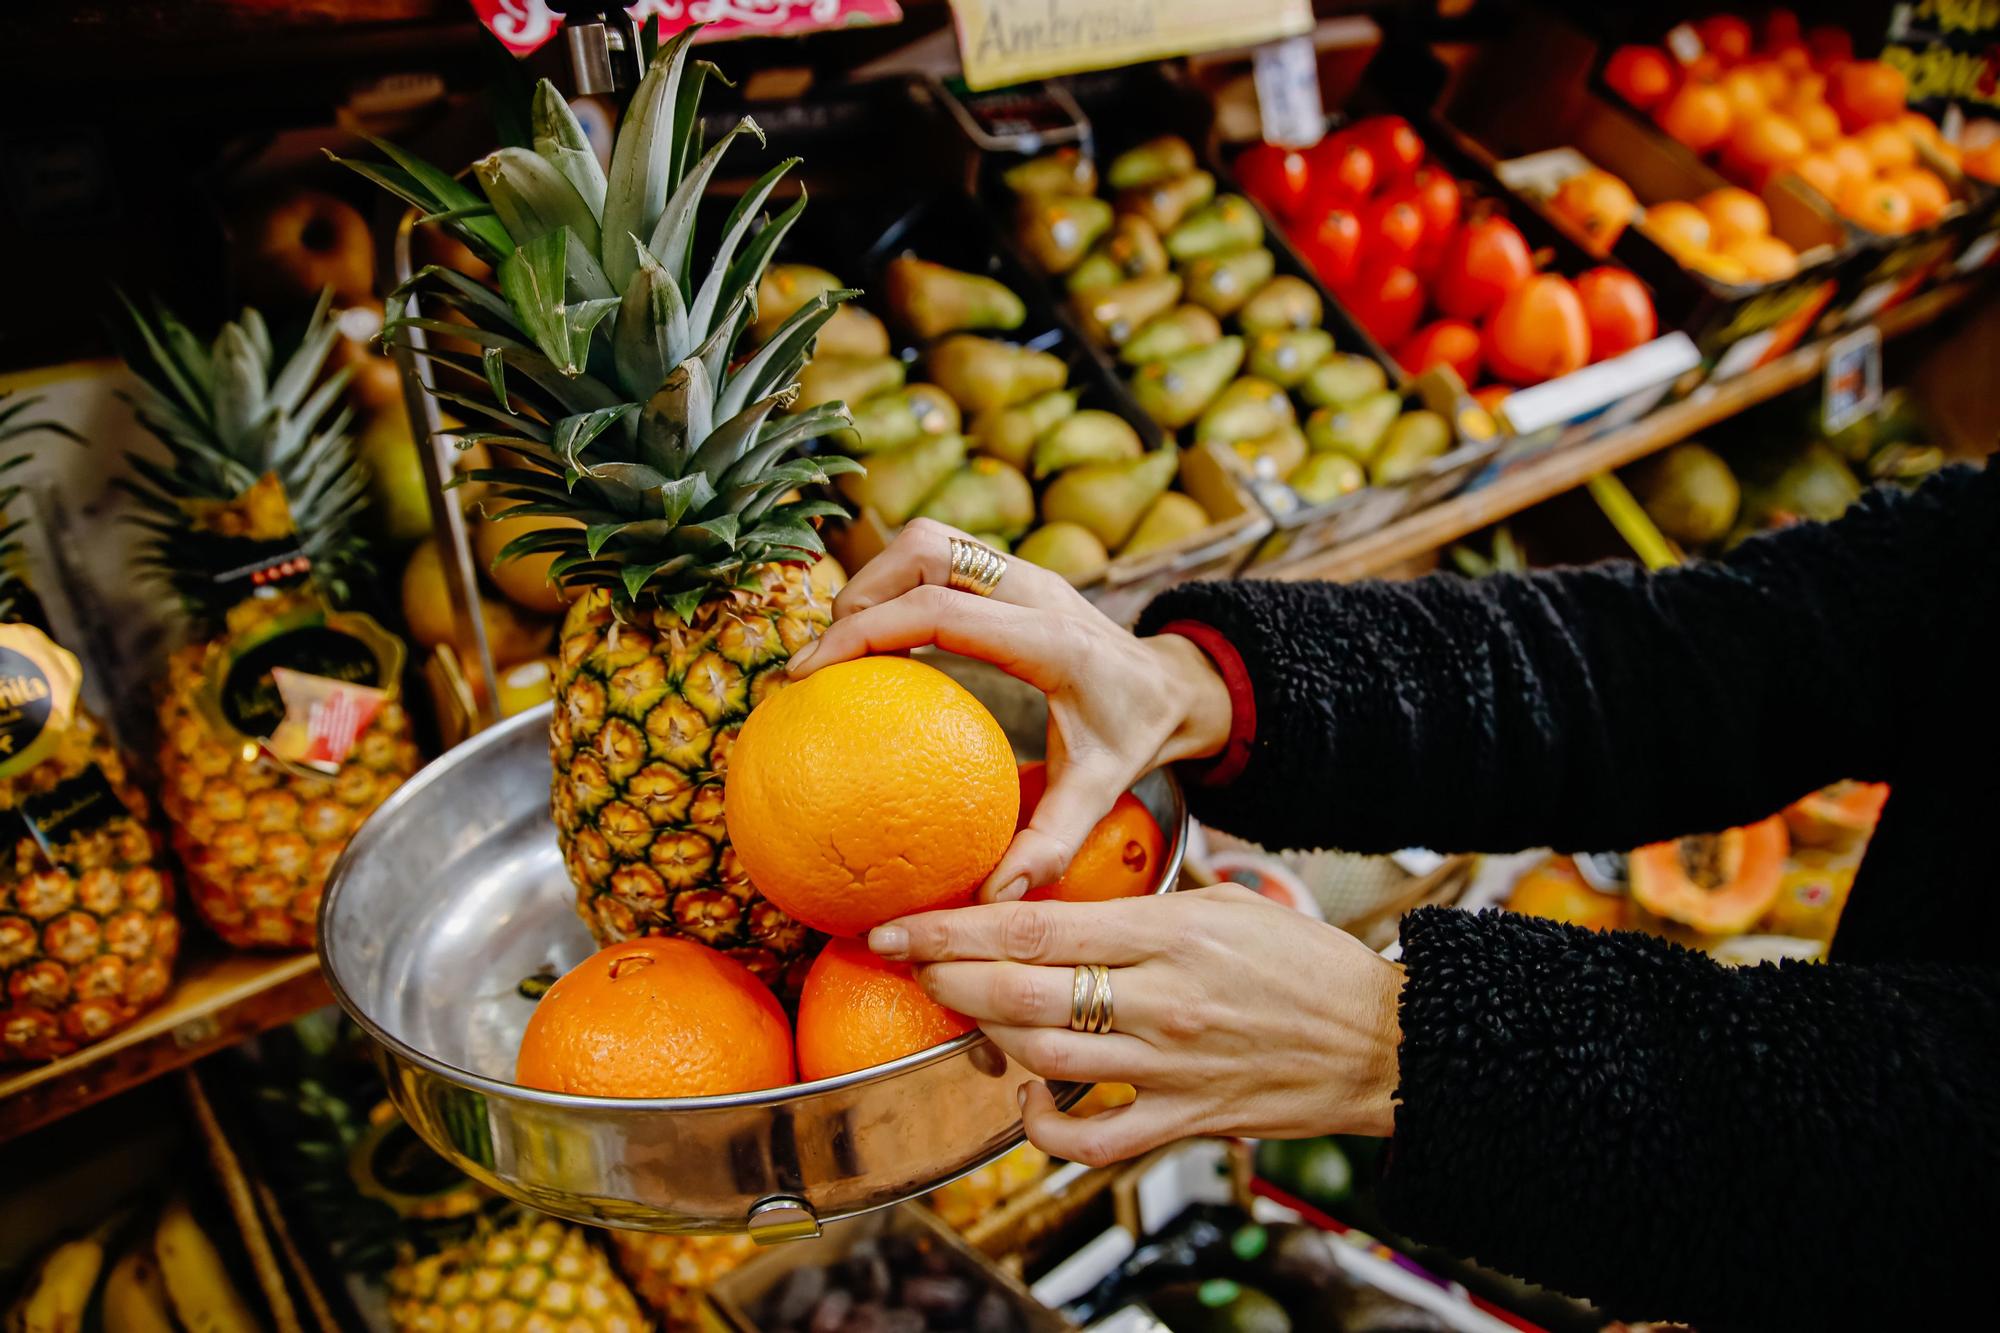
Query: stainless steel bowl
[453,894]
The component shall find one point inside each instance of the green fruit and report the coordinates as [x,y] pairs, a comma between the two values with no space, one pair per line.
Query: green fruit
[896,482]
[1218,1305]
[1357,429]
[1285,302]
[1315,1170]
[1174,389]
[1165,202]
[783,289]
[847,379]
[399,503]
[1110,498]
[1274,456]
[935,410]
[994,540]
[1068,549]
[1111,315]
[852,332]
[1223,283]
[1132,249]
[1224,225]
[1155,159]
[931,299]
[1341,379]
[1065,171]
[1173,519]
[983,373]
[1415,441]
[1287,358]
[1249,407]
[1326,476]
[1009,433]
[886,421]
[1689,493]
[1089,436]
[985,495]
[1815,484]
[1058,231]
[1178,330]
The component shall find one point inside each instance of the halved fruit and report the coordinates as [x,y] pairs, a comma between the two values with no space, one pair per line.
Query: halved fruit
[1554,890]
[1837,816]
[1718,883]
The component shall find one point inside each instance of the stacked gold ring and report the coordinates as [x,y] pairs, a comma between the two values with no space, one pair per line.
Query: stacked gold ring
[1090,998]
[975,567]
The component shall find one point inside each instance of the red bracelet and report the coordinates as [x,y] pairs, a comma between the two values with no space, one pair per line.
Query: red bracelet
[1235,755]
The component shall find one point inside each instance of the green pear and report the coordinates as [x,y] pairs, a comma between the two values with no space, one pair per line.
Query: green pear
[985,495]
[852,332]
[931,299]
[896,482]
[1248,408]
[1181,329]
[1131,249]
[886,421]
[1327,476]
[1174,389]
[1058,231]
[1276,455]
[1224,225]
[1415,441]
[847,379]
[1285,302]
[1111,315]
[1341,379]
[1224,283]
[1009,433]
[935,410]
[1068,549]
[1287,358]
[1357,429]
[994,540]
[1089,436]
[1173,518]
[1110,498]
[1155,159]
[782,290]
[1065,171]
[1165,202]
[983,373]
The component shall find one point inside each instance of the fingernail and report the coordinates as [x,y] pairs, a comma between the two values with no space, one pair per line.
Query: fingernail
[800,658]
[889,941]
[1012,889]
[1021,1096]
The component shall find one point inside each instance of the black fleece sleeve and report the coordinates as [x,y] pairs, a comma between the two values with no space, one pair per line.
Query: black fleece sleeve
[1596,707]
[1599,1113]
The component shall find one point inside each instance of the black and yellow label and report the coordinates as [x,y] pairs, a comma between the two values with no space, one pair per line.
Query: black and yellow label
[72,809]
[39,680]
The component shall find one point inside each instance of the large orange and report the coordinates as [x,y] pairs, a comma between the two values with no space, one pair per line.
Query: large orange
[1540,332]
[1733,212]
[1866,92]
[1698,115]
[1888,148]
[1764,144]
[1119,859]
[870,790]
[1878,206]
[656,1017]
[857,1011]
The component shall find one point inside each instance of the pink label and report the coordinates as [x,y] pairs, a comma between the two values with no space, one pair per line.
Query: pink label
[523,25]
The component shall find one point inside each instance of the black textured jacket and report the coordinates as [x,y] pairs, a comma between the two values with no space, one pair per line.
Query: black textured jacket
[1786,1146]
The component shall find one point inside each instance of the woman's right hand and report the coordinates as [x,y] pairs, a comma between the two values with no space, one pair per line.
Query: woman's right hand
[1119,705]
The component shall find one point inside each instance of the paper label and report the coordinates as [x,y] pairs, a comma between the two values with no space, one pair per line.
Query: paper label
[1012,41]
[303,689]
[1853,385]
[323,718]
[39,681]
[57,817]
[1685,43]
[523,26]
[1288,98]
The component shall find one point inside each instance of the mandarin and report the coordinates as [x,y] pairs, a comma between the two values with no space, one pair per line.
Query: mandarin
[1929,196]
[1120,858]
[1852,159]
[870,790]
[1680,228]
[1888,148]
[1817,122]
[1733,212]
[1878,206]
[1821,172]
[1697,115]
[656,1017]
[1764,258]
[857,1011]
[1642,75]
[1767,143]
[1747,95]
[1866,92]
[1598,204]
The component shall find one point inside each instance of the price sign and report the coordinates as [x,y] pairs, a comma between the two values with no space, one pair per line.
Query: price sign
[524,25]
[1853,379]
[1288,100]
[1013,41]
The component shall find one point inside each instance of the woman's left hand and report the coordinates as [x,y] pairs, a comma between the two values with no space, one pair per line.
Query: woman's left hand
[1231,1014]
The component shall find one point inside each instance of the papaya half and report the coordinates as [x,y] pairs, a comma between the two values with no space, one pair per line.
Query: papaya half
[1555,890]
[1716,883]
[1837,816]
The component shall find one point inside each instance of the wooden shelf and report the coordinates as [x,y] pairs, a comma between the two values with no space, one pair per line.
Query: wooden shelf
[1565,469]
[218,999]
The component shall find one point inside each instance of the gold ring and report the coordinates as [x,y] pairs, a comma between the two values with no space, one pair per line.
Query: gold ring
[975,567]
[1090,998]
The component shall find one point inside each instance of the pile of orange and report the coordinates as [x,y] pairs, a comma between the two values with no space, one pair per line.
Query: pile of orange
[1120,859]
[1726,234]
[857,1011]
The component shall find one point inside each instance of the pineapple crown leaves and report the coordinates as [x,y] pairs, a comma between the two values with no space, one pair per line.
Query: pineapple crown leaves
[605,363]
[228,415]
[16,424]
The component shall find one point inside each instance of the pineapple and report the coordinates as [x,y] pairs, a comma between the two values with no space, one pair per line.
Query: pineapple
[671,1274]
[531,1273]
[605,369]
[253,456]
[87,929]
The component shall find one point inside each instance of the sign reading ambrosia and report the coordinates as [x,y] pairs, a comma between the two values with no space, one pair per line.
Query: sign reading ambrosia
[1011,41]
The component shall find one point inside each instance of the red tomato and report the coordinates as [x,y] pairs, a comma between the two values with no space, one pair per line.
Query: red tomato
[1275,177]
[1444,342]
[1332,245]
[1343,172]
[1385,299]
[1724,36]
[1487,260]
[1538,333]
[1437,195]
[1618,311]
[1829,46]
[1397,147]
[1392,229]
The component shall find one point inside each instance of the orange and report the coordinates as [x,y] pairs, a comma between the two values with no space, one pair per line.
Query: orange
[1721,267]
[1822,173]
[1679,227]
[1816,121]
[1877,206]
[1642,75]
[1698,115]
[1887,147]
[1732,213]
[1554,890]
[1747,95]
[1866,92]
[1597,204]
[857,1011]
[1767,143]
[1121,857]
[1852,159]
[1808,89]
[1726,35]
[1919,126]
[1983,163]
[656,1017]
[1929,196]
[1764,258]
[870,790]
[1776,81]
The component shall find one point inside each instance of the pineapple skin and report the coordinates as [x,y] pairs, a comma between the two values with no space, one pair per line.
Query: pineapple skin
[672,1274]
[535,1275]
[646,710]
[255,839]
[82,955]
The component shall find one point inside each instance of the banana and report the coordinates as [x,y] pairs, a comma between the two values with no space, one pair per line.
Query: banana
[55,1302]
[198,1285]
[135,1294]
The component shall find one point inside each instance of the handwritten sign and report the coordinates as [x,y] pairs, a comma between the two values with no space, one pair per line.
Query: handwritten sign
[524,25]
[1012,41]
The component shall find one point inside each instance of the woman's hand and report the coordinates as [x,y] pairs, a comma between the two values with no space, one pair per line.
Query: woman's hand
[1119,706]
[1231,1014]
